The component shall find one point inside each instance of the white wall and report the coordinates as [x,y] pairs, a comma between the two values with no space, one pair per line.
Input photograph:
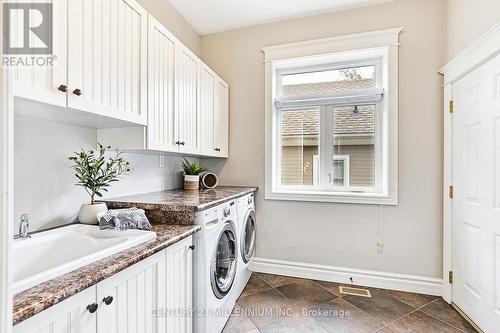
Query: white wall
[336,234]
[44,181]
[167,15]
[466,20]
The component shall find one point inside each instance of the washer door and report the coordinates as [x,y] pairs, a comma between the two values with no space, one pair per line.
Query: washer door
[248,237]
[223,267]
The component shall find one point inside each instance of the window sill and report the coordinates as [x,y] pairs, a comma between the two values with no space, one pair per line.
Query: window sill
[334,197]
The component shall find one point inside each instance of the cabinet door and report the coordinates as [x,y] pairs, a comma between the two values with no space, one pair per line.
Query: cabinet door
[131,300]
[41,83]
[207,81]
[186,106]
[161,46]
[69,316]
[178,286]
[107,59]
[221,118]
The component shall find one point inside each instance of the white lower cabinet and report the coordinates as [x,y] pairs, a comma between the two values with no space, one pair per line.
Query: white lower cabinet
[128,300]
[69,316]
[178,287]
[152,296]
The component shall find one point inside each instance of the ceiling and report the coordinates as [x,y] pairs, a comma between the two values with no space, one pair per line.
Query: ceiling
[208,16]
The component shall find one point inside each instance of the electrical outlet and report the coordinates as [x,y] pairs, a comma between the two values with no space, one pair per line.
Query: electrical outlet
[162,161]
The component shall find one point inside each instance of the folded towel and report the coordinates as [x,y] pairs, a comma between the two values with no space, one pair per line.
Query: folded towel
[123,219]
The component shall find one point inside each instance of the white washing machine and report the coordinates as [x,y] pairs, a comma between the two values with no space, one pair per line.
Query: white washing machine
[215,268]
[247,231]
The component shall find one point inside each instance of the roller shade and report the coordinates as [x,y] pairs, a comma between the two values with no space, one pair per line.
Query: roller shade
[339,99]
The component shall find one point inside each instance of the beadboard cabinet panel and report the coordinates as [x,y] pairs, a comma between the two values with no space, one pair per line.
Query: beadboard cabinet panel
[221,118]
[179,286]
[187,96]
[44,83]
[69,316]
[107,59]
[151,296]
[136,295]
[207,85]
[161,70]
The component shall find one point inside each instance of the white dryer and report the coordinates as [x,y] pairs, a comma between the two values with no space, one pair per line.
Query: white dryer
[247,231]
[215,268]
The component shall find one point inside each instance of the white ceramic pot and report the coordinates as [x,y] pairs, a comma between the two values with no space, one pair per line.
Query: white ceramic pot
[88,213]
[191,182]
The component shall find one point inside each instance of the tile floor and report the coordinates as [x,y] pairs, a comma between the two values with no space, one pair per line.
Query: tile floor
[273,303]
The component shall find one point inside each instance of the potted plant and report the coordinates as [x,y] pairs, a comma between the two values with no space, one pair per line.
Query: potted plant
[192,173]
[96,172]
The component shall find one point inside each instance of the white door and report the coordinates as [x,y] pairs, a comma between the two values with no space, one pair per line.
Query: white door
[476,204]
[76,314]
[221,119]
[178,286]
[133,300]
[186,105]
[45,84]
[107,58]
[161,67]
[207,85]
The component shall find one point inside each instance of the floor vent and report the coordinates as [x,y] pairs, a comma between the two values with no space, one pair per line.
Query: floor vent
[355,291]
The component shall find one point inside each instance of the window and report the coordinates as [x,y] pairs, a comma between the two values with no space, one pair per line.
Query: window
[341,165]
[332,120]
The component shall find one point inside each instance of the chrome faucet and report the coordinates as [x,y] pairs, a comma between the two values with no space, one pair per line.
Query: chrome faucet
[23,227]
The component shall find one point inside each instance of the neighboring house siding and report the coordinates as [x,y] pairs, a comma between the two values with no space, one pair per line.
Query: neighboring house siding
[362,164]
[297,165]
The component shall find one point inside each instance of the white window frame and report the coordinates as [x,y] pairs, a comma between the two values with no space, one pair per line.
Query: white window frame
[359,48]
[347,169]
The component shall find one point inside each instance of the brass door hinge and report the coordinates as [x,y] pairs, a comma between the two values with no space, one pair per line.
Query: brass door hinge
[451,106]
[450,192]
[450,277]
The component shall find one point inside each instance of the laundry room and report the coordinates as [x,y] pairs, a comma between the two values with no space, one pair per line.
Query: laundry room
[184,166]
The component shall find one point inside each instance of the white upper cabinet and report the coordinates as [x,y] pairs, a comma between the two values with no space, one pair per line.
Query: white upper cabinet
[119,70]
[221,118]
[161,133]
[107,59]
[45,84]
[207,85]
[213,113]
[186,100]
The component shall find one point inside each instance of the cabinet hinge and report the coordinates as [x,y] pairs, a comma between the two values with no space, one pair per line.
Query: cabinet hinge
[451,106]
[450,192]
[450,277]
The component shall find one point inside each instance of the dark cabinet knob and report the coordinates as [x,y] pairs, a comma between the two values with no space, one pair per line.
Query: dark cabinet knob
[182,143]
[217,149]
[77,92]
[177,142]
[108,300]
[62,88]
[92,307]
[191,247]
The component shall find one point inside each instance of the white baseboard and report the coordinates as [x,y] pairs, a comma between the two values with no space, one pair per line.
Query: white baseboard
[375,279]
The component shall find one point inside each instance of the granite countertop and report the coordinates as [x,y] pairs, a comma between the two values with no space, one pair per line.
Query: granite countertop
[38,298]
[181,200]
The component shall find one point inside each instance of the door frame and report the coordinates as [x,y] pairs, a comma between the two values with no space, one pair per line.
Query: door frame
[478,53]
[6,189]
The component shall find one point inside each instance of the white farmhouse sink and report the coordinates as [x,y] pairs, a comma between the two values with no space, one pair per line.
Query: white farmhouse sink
[52,253]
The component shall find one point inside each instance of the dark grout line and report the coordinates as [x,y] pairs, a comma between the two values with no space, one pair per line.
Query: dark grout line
[385,325]
[449,324]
